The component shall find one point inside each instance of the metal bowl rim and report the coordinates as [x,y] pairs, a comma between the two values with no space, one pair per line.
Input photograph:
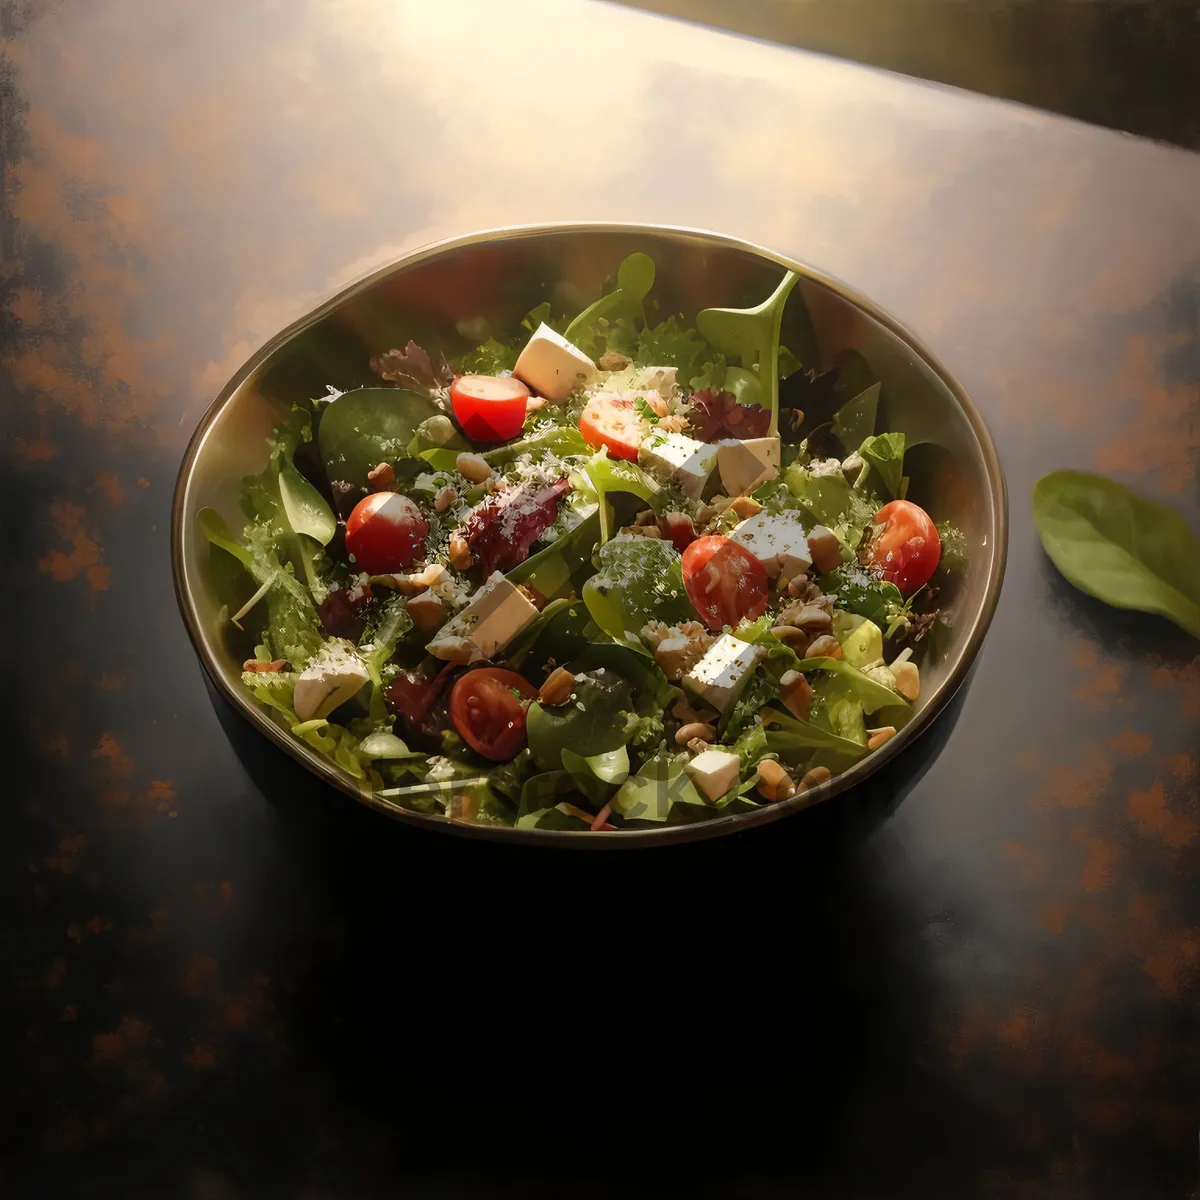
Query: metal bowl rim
[622,839]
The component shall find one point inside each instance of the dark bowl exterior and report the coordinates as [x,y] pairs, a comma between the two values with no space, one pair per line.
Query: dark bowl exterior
[499,275]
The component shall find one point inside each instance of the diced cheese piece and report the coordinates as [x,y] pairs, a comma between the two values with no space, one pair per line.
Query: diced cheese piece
[498,612]
[718,678]
[714,772]
[777,541]
[745,464]
[333,676]
[679,459]
[551,365]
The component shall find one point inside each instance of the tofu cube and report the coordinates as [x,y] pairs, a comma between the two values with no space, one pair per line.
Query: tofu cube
[551,365]
[497,614]
[714,772]
[333,676]
[676,458]
[777,541]
[718,678]
[743,465]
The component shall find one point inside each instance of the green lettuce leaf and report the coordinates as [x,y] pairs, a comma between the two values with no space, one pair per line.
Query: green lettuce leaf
[824,491]
[885,454]
[854,422]
[639,580]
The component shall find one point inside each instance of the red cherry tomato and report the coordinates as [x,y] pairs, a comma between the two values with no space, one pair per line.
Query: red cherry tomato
[489,716]
[905,545]
[724,581]
[490,408]
[613,421]
[385,533]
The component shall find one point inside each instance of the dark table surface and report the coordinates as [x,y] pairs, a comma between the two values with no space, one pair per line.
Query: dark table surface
[977,977]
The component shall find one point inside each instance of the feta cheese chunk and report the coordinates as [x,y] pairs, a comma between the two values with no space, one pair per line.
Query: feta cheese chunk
[714,772]
[778,542]
[743,465]
[677,458]
[551,365]
[496,615]
[333,676]
[718,678]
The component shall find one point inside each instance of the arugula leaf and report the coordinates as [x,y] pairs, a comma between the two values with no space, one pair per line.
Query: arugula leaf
[885,454]
[608,475]
[751,336]
[558,439]
[854,422]
[635,278]
[638,580]
[1120,547]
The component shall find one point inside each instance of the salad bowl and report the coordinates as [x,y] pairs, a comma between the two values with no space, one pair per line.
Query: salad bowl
[456,295]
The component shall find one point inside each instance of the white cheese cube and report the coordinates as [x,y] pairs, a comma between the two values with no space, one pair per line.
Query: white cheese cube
[778,542]
[333,676]
[714,772]
[496,615]
[745,464]
[679,459]
[551,365]
[718,678]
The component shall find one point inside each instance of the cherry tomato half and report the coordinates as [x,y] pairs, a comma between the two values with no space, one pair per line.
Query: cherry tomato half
[490,408]
[385,533]
[613,421]
[724,581]
[905,545]
[486,712]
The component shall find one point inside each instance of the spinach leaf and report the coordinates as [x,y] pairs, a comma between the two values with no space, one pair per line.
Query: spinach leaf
[596,775]
[871,694]
[639,580]
[751,337]
[1120,547]
[213,526]
[363,428]
[590,330]
[825,492]
[885,454]
[658,785]
[854,422]
[793,740]
[552,571]
[592,722]
[306,509]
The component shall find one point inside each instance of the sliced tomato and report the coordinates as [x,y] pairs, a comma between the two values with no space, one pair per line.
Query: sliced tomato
[612,420]
[490,408]
[487,707]
[905,545]
[724,581]
[385,532]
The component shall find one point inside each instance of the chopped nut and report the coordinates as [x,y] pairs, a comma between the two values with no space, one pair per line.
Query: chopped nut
[452,649]
[672,424]
[473,467]
[612,360]
[698,745]
[461,558]
[557,688]
[877,737]
[658,406]
[853,465]
[646,517]
[797,639]
[774,783]
[382,478]
[252,664]
[824,549]
[797,586]
[745,507]
[654,632]
[427,611]
[649,531]
[816,777]
[410,585]
[826,646]
[696,730]
[682,648]
[811,618]
[796,694]
[446,496]
[908,679]
[534,403]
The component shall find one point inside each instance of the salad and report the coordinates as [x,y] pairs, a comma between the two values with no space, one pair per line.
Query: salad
[618,569]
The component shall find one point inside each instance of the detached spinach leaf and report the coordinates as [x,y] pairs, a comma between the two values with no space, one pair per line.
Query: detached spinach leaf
[639,580]
[1120,547]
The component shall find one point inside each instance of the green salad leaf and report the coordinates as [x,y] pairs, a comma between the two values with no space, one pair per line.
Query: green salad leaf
[554,571]
[871,694]
[854,422]
[885,454]
[557,439]
[1120,547]
[824,491]
[638,580]
[658,785]
[751,337]
[611,475]
[670,344]
[306,509]
[864,594]
[590,723]
[793,740]
[489,358]
[591,329]
[213,526]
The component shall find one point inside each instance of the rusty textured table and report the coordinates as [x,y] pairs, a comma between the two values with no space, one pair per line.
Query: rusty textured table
[978,977]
